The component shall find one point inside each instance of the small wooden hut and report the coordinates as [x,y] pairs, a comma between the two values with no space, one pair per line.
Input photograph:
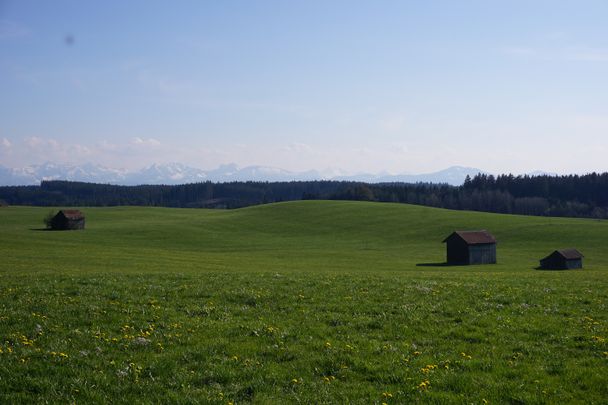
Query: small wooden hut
[471,247]
[68,220]
[563,259]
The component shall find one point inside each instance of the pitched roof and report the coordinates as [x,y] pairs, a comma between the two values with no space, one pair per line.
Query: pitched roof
[72,214]
[568,254]
[473,237]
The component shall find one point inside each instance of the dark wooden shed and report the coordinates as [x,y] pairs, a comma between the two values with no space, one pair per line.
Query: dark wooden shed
[563,259]
[68,220]
[471,247]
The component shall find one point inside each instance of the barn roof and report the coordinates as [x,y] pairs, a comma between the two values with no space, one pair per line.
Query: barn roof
[72,214]
[568,254]
[473,237]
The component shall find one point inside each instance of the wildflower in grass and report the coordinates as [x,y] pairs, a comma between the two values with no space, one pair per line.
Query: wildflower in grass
[428,368]
[25,341]
[466,356]
[387,395]
[328,345]
[328,379]
[424,385]
[417,353]
[485,401]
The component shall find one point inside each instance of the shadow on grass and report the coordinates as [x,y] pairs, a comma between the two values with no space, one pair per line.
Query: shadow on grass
[41,229]
[540,268]
[437,264]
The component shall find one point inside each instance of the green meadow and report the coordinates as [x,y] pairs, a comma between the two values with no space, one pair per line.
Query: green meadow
[300,302]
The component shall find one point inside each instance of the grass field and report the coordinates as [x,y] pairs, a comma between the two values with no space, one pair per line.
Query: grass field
[309,302]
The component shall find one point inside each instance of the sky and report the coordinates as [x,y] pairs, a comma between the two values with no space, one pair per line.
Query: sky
[359,86]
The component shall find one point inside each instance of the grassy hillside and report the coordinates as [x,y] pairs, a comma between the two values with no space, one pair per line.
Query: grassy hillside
[312,235]
[298,302]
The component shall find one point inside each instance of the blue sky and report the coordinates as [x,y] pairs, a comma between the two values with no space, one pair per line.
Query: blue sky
[397,86]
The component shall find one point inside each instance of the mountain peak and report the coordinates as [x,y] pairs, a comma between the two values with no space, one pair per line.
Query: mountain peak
[179,173]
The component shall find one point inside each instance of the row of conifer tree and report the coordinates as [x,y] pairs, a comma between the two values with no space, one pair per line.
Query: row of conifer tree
[572,196]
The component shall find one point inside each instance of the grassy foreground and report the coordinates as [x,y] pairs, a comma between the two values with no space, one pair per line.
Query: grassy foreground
[308,302]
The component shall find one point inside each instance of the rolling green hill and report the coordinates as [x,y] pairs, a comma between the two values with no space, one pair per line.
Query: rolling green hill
[310,301]
[310,235]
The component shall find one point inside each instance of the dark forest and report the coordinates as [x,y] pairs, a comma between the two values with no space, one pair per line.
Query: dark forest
[567,196]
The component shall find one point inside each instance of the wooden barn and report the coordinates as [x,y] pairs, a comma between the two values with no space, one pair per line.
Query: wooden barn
[471,247]
[68,220]
[563,259]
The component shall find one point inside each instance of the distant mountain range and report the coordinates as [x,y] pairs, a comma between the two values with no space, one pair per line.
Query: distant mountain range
[177,173]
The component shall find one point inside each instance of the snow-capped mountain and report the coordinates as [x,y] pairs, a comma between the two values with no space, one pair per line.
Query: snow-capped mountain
[177,173]
[454,175]
[171,173]
[34,174]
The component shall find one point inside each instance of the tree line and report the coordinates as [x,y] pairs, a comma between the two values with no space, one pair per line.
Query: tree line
[571,195]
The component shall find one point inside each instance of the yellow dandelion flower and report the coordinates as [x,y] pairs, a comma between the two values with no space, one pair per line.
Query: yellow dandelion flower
[424,384]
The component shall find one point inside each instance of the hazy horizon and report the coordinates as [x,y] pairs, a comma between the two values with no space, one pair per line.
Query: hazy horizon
[394,87]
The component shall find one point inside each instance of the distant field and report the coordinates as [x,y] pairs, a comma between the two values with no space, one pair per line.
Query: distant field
[309,302]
